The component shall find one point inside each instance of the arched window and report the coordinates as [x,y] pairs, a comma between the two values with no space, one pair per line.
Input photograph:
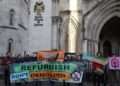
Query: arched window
[10,45]
[11,13]
[107,48]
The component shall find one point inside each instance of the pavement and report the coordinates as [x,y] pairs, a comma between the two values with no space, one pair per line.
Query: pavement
[55,84]
[2,83]
[46,84]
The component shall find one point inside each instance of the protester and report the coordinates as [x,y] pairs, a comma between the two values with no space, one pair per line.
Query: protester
[6,62]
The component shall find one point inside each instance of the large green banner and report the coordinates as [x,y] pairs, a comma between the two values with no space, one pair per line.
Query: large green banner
[56,71]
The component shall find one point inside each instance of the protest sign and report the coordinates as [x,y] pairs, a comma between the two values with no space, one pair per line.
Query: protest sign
[56,71]
[114,63]
[50,55]
[17,76]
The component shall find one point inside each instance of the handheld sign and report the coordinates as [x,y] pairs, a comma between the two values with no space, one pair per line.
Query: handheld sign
[50,55]
[114,63]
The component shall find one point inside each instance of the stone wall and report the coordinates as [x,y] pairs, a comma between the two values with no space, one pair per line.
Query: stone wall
[16,30]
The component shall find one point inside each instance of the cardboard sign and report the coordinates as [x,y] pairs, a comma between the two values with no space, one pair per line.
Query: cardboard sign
[114,63]
[56,71]
[50,55]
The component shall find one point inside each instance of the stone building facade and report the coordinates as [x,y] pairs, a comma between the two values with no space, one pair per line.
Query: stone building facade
[72,25]
[101,26]
[13,26]
[97,23]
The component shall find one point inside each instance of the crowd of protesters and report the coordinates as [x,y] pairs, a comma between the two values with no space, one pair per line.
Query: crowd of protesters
[98,74]
[4,63]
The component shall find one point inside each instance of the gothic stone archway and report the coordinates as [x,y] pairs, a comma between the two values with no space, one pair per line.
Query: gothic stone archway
[96,21]
[109,38]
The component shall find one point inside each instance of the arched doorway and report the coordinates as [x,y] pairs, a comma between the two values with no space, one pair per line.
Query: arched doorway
[109,38]
[95,21]
[107,48]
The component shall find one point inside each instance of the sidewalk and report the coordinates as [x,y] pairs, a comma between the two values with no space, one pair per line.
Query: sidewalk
[2,83]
